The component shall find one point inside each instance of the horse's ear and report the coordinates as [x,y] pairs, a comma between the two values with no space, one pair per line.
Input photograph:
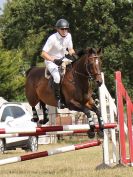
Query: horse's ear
[99,51]
[91,50]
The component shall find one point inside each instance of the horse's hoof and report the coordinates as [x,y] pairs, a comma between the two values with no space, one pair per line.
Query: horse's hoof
[100,134]
[91,134]
[92,128]
[43,121]
[35,120]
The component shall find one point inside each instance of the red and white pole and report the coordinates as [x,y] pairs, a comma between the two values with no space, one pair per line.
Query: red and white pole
[50,152]
[42,130]
[9,135]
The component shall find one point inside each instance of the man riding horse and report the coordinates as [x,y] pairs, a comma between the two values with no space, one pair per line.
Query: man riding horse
[76,90]
[54,52]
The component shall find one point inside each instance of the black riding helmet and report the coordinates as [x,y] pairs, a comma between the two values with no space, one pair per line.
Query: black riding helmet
[62,23]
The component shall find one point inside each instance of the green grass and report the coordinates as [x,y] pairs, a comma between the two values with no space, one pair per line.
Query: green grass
[82,163]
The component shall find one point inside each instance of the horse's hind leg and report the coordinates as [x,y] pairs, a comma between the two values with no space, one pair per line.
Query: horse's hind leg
[35,115]
[45,113]
[32,99]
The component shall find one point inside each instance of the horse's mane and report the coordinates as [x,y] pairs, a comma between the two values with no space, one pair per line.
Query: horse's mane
[82,52]
[86,51]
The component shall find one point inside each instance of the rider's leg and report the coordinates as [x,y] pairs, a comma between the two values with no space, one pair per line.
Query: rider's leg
[57,94]
[57,89]
[56,76]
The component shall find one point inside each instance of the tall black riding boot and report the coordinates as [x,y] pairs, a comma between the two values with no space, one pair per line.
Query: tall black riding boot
[57,95]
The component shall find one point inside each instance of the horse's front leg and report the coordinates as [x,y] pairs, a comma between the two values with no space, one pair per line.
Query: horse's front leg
[91,132]
[100,121]
[91,106]
[74,105]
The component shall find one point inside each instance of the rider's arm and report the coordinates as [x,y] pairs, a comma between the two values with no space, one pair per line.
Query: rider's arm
[46,48]
[46,56]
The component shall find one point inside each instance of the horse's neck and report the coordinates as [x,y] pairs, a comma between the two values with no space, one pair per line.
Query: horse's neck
[79,66]
[77,76]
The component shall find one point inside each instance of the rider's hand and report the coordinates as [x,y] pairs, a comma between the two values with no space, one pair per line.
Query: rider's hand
[58,62]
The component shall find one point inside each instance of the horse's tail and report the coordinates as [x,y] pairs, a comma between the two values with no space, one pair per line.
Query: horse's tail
[28,71]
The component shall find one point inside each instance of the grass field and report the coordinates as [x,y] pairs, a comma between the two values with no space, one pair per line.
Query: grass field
[82,163]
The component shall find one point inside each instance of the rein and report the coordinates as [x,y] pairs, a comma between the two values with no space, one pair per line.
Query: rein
[81,74]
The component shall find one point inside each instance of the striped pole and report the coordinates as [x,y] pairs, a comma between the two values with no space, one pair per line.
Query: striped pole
[9,135]
[50,152]
[43,130]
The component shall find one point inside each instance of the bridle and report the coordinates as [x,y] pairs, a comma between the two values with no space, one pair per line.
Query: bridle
[88,67]
[89,75]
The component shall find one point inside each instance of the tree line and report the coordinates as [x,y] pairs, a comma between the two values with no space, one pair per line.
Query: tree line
[26,24]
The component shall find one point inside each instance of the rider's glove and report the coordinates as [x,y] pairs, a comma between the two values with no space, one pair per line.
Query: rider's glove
[58,62]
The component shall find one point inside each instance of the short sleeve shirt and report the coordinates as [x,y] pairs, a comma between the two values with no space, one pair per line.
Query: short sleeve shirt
[56,45]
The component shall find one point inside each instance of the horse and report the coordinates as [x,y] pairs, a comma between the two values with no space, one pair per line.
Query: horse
[77,93]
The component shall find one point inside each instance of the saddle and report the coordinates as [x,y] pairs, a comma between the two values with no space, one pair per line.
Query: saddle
[47,73]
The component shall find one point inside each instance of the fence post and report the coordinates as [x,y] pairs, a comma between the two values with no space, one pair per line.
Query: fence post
[121,94]
[105,96]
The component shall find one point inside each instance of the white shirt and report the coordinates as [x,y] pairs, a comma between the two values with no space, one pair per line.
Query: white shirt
[56,45]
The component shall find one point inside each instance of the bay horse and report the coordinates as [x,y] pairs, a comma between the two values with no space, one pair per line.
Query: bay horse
[75,88]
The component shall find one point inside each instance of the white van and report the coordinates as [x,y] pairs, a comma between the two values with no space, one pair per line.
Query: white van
[15,115]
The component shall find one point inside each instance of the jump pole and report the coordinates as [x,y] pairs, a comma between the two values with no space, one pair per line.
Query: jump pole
[50,152]
[9,135]
[43,130]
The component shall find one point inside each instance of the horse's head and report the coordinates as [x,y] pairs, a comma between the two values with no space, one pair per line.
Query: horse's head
[92,64]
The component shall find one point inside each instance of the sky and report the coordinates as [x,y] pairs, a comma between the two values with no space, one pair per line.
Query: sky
[1,4]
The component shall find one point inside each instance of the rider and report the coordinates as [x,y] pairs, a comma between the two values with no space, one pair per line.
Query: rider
[56,47]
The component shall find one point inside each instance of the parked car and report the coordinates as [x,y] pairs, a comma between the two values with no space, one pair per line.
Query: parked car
[15,115]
